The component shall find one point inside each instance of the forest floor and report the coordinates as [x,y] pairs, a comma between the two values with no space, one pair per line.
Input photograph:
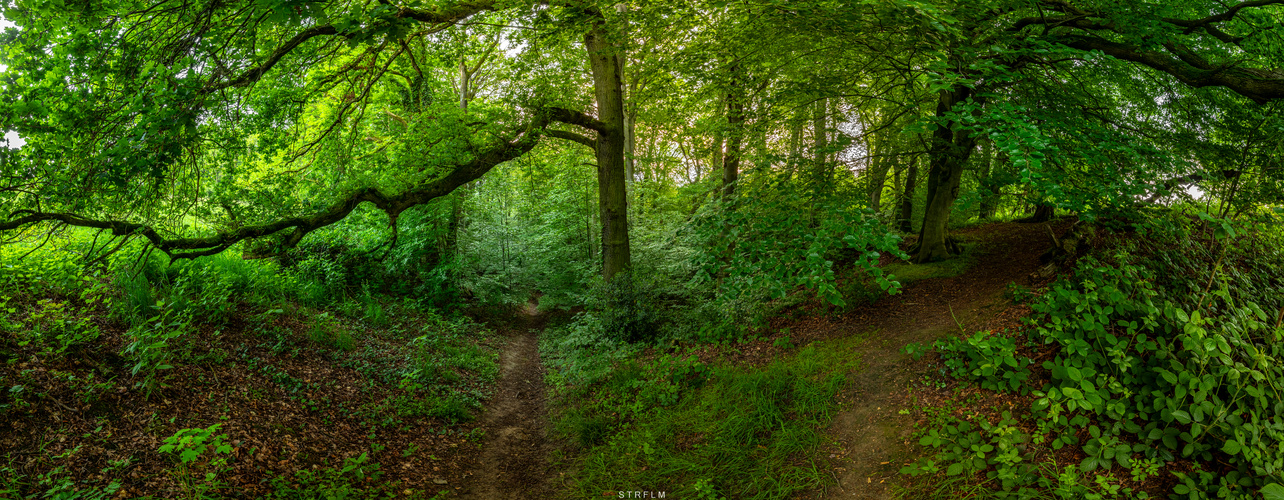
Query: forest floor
[869,440]
[296,393]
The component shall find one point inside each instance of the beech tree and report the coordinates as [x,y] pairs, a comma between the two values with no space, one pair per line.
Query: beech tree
[1002,45]
[135,112]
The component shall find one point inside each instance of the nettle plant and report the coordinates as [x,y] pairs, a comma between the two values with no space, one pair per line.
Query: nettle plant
[202,456]
[151,349]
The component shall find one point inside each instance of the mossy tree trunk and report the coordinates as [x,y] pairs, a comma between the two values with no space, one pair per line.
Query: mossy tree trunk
[947,156]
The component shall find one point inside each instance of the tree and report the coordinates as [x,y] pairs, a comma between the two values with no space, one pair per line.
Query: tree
[311,87]
[976,70]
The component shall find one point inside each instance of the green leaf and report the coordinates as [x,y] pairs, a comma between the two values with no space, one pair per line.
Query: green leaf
[1272,491]
[1231,447]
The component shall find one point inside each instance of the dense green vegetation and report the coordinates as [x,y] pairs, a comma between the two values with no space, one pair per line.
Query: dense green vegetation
[1160,346]
[278,246]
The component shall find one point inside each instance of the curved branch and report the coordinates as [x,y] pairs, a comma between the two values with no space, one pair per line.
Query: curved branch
[1255,84]
[1177,59]
[449,15]
[1230,13]
[580,118]
[572,136]
[254,74]
[393,204]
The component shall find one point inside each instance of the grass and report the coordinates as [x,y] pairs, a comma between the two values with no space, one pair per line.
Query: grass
[861,289]
[696,431]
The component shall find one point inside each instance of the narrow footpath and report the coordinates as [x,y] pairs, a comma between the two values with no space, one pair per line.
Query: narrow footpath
[873,436]
[512,462]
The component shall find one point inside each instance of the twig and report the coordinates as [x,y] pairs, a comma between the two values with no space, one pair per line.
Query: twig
[1055,243]
[956,320]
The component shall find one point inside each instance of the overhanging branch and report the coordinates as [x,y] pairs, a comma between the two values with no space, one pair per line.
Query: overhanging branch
[572,136]
[580,118]
[1258,85]
[446,16]
[392,204]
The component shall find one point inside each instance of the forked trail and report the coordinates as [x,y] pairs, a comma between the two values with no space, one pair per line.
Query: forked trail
[873,438]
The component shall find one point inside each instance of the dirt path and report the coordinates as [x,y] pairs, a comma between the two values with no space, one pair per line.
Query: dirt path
[873,436]
[512,463]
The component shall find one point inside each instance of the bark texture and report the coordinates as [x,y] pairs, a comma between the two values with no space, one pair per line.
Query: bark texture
[947,155]
[611,167]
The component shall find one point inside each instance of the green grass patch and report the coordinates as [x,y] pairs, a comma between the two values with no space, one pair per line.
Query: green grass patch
[863,289]
[907,273]
[696,431]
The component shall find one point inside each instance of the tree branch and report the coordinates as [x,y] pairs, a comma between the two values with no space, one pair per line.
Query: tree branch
[572,136]
[449,15]
[254,74]
[392,204]
[572,117]
[1255,84]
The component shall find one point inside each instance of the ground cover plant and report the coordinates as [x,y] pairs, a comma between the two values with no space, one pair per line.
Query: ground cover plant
[670,422]
[1151,363]
[223,384]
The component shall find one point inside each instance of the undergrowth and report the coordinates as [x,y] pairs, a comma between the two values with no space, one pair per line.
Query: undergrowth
[1161,358]
[671,423]
[167,352]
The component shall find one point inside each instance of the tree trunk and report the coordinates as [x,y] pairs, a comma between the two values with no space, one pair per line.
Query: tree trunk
[735,133]
[880,150]
[820,125]
[907,198]
[461,193]
[795,147]
[464,76]
[986,209]
[630,146]
[1042,213]
[611,174]
[947,155]
[715,162]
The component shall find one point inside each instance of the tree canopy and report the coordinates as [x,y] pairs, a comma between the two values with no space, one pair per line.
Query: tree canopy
[196,125]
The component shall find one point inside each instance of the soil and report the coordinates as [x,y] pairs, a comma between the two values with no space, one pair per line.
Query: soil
[512,463]
[285,404]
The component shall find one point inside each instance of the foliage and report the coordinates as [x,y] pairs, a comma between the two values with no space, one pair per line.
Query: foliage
[766,244]
[199,463]
[431,375]
[989,358]
[152,346]
[329,483]
[1152,368]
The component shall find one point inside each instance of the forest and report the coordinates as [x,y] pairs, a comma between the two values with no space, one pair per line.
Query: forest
[697,249]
